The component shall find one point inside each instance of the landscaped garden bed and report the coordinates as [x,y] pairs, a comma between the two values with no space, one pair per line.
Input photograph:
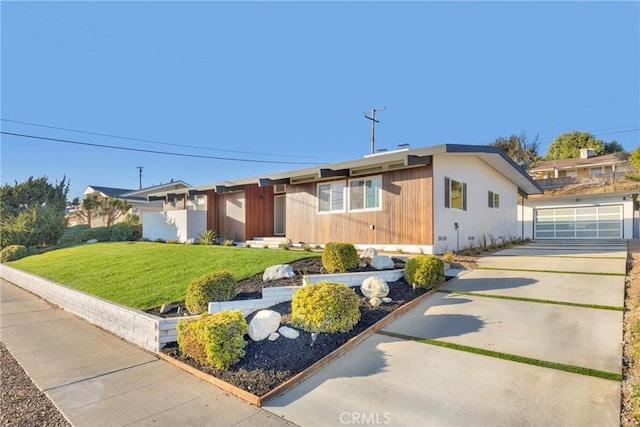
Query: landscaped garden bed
[269,364]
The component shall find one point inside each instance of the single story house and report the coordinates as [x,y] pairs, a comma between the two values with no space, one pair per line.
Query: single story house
[138,199]
[580,167]
[430,200]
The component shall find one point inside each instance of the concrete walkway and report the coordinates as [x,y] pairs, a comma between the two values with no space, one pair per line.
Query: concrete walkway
[96,379]
[395,379]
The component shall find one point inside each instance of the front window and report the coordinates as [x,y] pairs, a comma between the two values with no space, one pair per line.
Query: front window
[331,197]
[455,194]
[365,193]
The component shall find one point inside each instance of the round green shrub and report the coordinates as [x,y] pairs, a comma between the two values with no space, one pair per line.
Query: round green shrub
[214,339]
[13,253]
[125,232]
[325,307]
[424,271]
[339,257]
[216,286]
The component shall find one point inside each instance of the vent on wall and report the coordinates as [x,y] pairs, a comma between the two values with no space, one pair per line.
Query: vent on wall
[442,238]
[279,188]
[366,170]
[303,179]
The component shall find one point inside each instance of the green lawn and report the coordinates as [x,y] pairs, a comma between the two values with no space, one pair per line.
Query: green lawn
[145,275]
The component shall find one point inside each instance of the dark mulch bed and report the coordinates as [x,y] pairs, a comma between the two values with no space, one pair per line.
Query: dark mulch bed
[268,364]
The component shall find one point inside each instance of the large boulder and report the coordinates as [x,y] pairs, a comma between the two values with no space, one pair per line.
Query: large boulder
[374,287]
[368,253]
[263,324]
[382,262]
[281,271]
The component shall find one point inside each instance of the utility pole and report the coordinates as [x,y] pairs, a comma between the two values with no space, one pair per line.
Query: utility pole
[373,126]
[140,175]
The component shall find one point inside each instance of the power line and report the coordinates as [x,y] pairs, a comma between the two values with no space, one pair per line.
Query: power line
[140,150]
[150,141]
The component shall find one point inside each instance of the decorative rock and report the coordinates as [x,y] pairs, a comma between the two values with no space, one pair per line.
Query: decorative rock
[191,241]
[382,262]
[166,307]
[263,324]
[274,336]
[281,271]
[375,301]
[386,299]
[374,287]
[368,253]
[288,332]
[362,264]
[92,241]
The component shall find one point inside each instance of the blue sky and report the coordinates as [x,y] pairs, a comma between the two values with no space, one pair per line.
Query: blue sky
[289,82]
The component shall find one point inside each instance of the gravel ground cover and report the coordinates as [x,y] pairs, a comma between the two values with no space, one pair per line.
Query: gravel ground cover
[21,402]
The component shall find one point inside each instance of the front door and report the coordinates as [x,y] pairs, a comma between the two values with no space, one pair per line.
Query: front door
[279,214]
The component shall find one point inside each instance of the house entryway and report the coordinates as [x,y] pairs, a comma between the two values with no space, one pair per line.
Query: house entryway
[586,222]
[279,214]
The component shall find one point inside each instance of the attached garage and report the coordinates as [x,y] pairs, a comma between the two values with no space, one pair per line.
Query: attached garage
[586,222]
[580,216]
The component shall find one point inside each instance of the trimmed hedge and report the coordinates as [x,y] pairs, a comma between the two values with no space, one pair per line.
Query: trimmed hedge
[325,307]
[214,339]
[424,271]
[339,257]
[216,286]
[116,233]
[13,253]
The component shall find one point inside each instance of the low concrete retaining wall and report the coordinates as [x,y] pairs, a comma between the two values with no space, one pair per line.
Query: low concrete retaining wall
[140,328]
[276,295]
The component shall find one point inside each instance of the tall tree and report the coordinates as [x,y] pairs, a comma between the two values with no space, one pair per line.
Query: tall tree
[568,145]
[87,210]
[634,159]
[31,193]
[112,209]
[519,148]
[613,147]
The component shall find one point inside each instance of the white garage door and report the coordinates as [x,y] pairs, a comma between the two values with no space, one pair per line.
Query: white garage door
[593,222]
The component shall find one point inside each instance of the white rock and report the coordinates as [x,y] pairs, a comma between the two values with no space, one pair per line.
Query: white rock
[191,241]
[274,336]
[382,262]
[374,287]
[92,241]
[288,332]
[368,253]
[263,324]
[375,301]
[386,299]
[281,271]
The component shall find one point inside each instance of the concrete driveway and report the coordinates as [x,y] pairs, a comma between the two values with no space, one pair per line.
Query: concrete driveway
[556,303]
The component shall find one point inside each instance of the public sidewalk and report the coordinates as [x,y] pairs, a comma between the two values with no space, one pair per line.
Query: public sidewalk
[97,379]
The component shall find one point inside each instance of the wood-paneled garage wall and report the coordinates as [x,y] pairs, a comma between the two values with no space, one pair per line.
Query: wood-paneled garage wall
[406,217]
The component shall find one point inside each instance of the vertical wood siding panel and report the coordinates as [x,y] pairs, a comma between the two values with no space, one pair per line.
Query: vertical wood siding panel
[406,217]
[259,215]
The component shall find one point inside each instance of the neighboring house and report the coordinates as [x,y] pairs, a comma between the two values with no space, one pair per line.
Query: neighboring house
[430,200]
[587,166]
[138,199]
[585,198]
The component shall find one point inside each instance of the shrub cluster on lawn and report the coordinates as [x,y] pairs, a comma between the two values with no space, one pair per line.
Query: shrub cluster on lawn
[13,253]
[325,307]
[424,271]
[214,339]
[339,257]
[216,286]
[121,232]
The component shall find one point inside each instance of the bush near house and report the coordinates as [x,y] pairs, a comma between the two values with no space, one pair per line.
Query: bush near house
[424,271]
[13,253]
[217,286]
[339,257]
[325,307]
[214,339]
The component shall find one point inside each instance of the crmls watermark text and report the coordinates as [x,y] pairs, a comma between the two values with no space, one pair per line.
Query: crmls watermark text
[365,418]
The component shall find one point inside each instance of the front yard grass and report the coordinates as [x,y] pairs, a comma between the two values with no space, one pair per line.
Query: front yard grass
[145,275]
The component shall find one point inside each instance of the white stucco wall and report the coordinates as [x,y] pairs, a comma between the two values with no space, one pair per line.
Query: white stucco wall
[526,212]
[180,225]
[479,221]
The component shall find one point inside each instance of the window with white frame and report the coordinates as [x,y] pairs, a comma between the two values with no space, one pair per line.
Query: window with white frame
[494,200]
[331,197]
[364,194]
[455,194]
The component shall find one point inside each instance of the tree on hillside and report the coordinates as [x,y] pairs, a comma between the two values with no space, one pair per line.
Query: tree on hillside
[519,149]
[634,159]
[568,145]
